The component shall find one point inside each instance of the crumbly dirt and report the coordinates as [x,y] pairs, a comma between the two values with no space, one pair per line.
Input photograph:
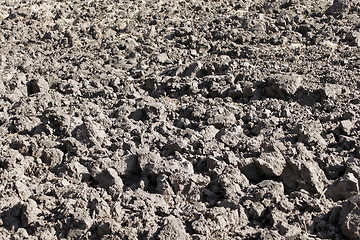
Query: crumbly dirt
[179,119]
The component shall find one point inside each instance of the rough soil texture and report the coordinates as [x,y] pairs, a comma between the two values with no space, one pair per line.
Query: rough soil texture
[179,119]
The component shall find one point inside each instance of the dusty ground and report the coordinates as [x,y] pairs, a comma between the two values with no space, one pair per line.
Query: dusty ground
[179,119]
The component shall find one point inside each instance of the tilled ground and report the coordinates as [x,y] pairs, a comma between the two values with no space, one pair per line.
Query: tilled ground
[179,119]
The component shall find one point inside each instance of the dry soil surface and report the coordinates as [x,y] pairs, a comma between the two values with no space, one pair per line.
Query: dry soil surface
[186,119]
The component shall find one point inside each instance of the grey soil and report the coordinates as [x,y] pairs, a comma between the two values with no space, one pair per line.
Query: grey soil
[179,119]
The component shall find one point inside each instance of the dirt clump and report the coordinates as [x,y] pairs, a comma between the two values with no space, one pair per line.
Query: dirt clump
[179,119]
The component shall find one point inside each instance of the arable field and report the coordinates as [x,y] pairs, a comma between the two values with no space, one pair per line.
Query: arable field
[179,120]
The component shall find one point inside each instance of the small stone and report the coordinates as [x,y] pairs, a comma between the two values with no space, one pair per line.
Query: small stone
[344,188]
[233,181]
[346,126]
[65,183]
[152,32]
[313,175]
[121,24]
[52,156]
[272,164]
[23,190]
[231,137]
[163,58]
[304,172]
[282,85]
[154,110]
[209,133]
[269,189]
[331,91]
[109,177]
[78,171]
[90,132]
[221,118]
[310,134]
